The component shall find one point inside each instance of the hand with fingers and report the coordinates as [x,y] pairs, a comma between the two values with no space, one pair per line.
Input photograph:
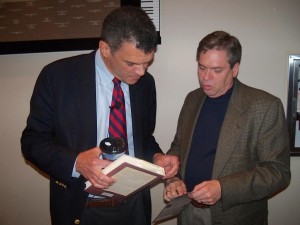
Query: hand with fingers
[169,162]
[174,188]
[207,192]
[90,166]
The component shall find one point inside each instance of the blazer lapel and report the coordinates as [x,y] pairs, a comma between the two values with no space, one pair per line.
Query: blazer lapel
[86,99]
[231,129]
[190,121]
[135,93]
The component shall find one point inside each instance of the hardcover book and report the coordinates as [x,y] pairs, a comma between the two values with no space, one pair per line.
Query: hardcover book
[132,175]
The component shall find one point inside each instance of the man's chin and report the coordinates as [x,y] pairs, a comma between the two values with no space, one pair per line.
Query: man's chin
[132,81]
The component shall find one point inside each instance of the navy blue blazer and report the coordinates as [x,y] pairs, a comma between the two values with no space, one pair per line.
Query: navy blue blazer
[62,123]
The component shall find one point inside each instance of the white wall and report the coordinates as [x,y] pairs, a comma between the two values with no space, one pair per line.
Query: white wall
[269,32]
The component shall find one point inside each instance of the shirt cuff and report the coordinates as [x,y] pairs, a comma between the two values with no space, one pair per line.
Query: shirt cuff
[74,172]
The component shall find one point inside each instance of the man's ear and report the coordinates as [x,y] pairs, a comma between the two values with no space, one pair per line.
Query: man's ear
[236,69]
[104,48]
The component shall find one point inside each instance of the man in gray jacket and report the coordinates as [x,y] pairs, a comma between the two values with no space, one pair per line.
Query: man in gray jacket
[232,142]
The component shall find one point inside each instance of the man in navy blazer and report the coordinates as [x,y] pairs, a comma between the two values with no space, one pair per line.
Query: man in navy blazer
[68,118]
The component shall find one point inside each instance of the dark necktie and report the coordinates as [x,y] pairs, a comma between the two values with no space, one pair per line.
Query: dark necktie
[117,116]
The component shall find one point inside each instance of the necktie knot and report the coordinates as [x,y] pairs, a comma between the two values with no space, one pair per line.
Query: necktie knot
[116,82]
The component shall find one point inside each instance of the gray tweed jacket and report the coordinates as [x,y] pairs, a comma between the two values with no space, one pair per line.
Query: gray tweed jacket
[252,160]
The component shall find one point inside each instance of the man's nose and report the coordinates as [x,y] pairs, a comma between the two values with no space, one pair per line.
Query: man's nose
[206,74]
[140,69]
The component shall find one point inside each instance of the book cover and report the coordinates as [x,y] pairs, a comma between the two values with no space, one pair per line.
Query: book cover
[172,209]
[132,175]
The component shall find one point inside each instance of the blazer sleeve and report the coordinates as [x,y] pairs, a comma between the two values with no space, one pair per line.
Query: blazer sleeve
[259,166]
[62,120]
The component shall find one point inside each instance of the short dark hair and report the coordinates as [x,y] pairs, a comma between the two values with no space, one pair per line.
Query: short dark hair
[129,24]
[221,40]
